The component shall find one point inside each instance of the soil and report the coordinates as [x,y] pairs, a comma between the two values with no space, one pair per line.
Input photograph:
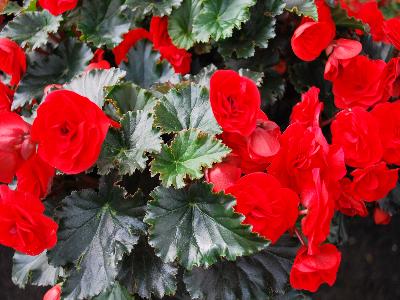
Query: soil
[370,268]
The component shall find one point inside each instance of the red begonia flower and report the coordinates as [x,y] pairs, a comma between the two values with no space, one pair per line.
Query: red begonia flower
[23,226]
[349,203]
[356,131]
[381,217]
[390,81]
[391,28]
[374,182]
[98,61]
[224,174]
[6,96]
[235,101]
[53,294]
[35,177]
[57,7]
[15,144]
[310,271]
[180,59]
[13,60]
[70,130]
[267,206]
[159,32]
[129,40]
[388,116]
[308,110]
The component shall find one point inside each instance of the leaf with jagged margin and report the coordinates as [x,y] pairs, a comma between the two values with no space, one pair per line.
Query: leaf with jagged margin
[156,7]
[117,292]
[305,8]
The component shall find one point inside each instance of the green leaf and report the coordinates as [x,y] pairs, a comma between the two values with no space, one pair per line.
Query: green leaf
[257,77]
[145,274]
[129,97]
[34,270]
[127,149]
[196,226]
[68,60]
[342,19]
[305,8]
[155,7]
[256,277]
[103,22]
[117,292]
[187,107]
[391,203]
[256,32]
[203,77]
[218,18]
[144,67]
[187,154]
[180,23]
[31,28]
[96,230]
[92,84]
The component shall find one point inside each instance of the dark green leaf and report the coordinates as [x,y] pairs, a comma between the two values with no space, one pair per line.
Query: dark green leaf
[144,67]
[257,77]
[188,153]
[255,277]
[391,203]
[127,148]
[196,226]
[117,292]
[145,274]
[103,22]
[338,233]
[92,84]
[342,19]
[34,270]
[218,18]
[68,60]
[156,7]
[96,230]
[187,107]
[204,76]
[305,8]
[31,28]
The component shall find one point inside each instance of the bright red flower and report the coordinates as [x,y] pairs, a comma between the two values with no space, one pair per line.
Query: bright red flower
[381,217]
[180,59]
[308,110]
[374,182]
[224,174]
[391,28]
[13,60]
[358,83]
[6,96]
[70,130]
[53,294]
[57,7]
[267,206]
[129,40]
[235,101]
[310,271]
[388,116]
[349,203]
[98,61]
[159,32]
[15,144]
[390,81]
[311,38]
[35,177]
[356,131]
[23,226]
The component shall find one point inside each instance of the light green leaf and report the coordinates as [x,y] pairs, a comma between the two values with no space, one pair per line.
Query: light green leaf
[156,7]
[34,270]
[218,18]
[92,84]
[144,67]
[180,23]
[187,107]
[31,28]
[68,60]
[127,148]
[96,230]
[117,292]
[188,153]
[305,8]
[196,226]
[145,274]
[103,22]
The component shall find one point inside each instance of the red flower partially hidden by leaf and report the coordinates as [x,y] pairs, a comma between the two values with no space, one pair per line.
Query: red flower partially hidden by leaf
[129,40]
[98,61]
[224,174]
[180,59]
[270,208]
[307,111]
[159,32]
[381,217]
[391,28]
[23,226]
[13,60]
[310,271]
[70,130]
[57,7]
[15,144]
[235,101]
[53,294]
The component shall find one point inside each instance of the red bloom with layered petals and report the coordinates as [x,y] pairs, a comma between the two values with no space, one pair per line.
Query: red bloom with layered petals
[381,217]
[391,28]
[129,40]
[270,208]
[349,203]
[310,271]
[224,174]
[70,130]
[308,110]
[23,226]
[5,97]
[57,7]
[13,60]
[98,61]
